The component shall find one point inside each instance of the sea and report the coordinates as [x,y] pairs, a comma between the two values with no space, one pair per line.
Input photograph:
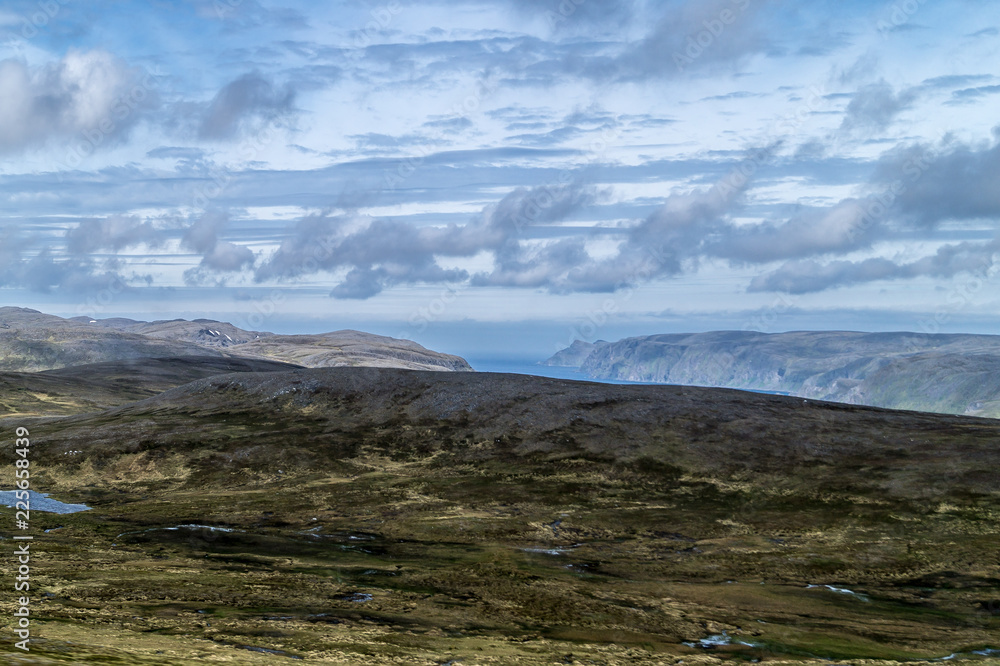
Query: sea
[528,366]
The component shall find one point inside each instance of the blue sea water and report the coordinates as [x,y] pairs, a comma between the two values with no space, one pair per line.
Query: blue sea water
[524,366]
[527,366]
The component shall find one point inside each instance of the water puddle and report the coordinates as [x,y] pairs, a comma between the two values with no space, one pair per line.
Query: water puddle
[41,502]
[280,653]
[545,551]
[718,640]
[987,652]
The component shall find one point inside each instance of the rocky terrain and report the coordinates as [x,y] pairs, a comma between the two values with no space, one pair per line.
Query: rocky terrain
[952,374]
[32,341]
[374,516]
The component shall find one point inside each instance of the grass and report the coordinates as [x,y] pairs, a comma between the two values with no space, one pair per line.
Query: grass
[399,541]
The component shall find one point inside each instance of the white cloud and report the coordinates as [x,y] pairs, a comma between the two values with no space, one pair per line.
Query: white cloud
[91,98]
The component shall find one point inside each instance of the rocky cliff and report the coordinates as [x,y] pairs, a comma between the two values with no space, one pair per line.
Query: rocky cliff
[955,374]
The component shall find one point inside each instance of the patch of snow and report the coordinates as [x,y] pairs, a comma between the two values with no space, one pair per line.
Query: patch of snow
[840,590]
[712,641]
[545,551]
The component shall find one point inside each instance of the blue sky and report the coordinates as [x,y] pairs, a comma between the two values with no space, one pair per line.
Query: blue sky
[504,174]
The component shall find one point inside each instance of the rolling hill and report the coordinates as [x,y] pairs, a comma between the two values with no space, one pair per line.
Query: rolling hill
[31,341]
[372,516]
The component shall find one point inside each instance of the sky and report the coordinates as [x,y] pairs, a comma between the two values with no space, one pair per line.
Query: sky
[502,177]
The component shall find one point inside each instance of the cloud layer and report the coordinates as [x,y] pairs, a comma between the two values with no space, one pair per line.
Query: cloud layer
[718,151]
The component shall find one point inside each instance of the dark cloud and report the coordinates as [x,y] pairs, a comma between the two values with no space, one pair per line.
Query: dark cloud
[44,270]
[953,181]
[243,102]
[841,228]
[697,36]
[918,186]
[217,255]
[800,277]
[803,276]
[678,39]
[873,108]
[381,253]
[658,246]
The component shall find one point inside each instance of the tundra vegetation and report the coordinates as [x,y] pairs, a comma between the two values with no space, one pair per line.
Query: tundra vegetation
[371,515]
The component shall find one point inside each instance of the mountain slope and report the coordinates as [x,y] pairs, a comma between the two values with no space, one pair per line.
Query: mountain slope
[957,374]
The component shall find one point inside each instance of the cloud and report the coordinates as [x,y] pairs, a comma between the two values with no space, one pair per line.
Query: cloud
[44,270]
[985,32]
[970,95]
[450,124]
[874,107]
[840,228]
[693,36]
[114,233]
[800,277]
[248,14]
[382,253]
[657,246]
[953,181]
[804,276]
[240,104]
[92,96]
[217,255]
[186,154]
[580,15]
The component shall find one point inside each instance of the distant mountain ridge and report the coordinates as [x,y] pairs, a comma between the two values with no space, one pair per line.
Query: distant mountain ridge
[951,374]
[31,341]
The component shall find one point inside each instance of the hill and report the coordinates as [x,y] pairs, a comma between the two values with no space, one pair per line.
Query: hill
[31,341]
[202,332]
[371,516]
[93,387]
[952,374]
